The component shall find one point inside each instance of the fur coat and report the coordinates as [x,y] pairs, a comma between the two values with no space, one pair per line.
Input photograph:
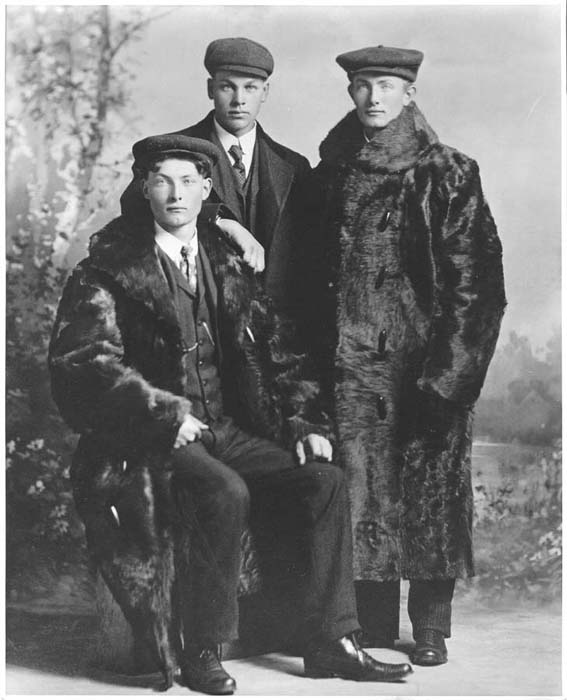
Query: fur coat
[118,378]
[407,295]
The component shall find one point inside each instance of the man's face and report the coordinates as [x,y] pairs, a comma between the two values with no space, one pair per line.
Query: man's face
[379,98]
[237,99]
[176,192]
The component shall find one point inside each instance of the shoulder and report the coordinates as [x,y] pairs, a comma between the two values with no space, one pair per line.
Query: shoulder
[201,129]
[446,160]
[294,158]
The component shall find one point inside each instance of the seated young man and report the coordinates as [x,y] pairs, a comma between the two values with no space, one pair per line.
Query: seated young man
[166,357]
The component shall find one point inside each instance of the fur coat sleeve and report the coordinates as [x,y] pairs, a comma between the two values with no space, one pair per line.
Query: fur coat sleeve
[468,280]
[93,386]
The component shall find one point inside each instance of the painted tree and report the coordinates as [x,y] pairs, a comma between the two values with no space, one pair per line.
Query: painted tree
[67,94]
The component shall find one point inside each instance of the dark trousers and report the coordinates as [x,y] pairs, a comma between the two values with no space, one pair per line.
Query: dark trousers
[299,516]
[429,606]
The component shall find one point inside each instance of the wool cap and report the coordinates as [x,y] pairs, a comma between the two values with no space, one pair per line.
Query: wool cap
[240,55]
[172,145]
[388,60]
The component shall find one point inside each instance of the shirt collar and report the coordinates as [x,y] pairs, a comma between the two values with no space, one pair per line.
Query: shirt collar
[171,245]
[247,141]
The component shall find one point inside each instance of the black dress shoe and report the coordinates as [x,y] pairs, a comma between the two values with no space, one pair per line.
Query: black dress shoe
[430,648]
[343,658]
[374,641]
[201,670]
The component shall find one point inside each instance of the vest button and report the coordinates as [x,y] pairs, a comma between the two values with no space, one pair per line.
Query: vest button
[200,341]
[205,382]
[201,363]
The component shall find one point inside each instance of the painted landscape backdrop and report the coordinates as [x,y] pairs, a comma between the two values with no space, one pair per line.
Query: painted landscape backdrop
[83,83]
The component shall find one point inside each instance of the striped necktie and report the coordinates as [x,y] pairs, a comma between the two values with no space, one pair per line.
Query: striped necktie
[236,152]
[189,268]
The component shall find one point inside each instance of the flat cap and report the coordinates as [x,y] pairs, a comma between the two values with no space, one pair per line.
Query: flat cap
[173,145]
[383,59]
[239,55]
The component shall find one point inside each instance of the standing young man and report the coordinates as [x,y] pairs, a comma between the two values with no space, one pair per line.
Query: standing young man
[407,300]
[168,360]
[259,182]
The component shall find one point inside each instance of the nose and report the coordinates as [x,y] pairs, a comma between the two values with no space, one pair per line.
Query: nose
[374,95]
[238,96]
[175,193]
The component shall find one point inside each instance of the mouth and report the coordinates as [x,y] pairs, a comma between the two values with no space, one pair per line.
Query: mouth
[175,210]
[375,112]
[237,114]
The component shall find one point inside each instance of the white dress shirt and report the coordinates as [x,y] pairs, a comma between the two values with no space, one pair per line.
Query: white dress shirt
[171,245]
[246,143]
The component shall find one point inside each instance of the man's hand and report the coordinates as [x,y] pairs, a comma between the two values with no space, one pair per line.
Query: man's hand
[314,447]
[190,430]
[252,251]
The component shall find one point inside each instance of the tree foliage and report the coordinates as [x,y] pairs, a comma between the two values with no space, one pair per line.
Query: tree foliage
[67,92]
[524,398]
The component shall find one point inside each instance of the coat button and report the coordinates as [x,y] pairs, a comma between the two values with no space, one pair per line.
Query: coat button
[380,278]
[381,403]
[331,285]
[382,343]
[384,220]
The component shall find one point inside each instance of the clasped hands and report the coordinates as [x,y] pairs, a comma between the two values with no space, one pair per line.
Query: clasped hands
[313,446]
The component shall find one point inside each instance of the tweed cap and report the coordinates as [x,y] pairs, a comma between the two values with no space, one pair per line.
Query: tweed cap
[239,55]
[172,145]
[403,63]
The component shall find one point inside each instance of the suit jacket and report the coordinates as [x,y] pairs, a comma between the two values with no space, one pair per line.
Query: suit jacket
[280,207]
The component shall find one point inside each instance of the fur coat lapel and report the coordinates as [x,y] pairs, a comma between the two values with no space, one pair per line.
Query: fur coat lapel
[396,147]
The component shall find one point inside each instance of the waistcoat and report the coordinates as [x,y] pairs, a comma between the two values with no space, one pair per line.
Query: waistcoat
[197,320]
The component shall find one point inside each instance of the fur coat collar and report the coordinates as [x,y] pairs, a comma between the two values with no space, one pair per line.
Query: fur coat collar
[394,148]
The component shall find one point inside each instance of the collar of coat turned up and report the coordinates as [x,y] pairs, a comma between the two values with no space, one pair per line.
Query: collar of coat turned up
[395,147]
[125,250]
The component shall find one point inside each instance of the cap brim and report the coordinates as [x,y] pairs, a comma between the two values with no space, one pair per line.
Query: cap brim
[244,70]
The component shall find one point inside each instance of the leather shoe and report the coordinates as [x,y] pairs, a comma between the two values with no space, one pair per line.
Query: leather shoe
[343,658]
[201,670]
[430,648]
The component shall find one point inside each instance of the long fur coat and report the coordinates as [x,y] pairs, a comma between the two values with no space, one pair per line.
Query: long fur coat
[407,295]
[118,378]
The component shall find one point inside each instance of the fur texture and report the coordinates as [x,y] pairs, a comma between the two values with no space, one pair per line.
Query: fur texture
[117,376]
[407,302]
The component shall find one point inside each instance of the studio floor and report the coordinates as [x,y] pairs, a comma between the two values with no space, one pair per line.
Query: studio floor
[492,652]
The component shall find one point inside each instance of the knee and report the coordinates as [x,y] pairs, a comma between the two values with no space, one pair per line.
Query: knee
[325,477]
[231,495]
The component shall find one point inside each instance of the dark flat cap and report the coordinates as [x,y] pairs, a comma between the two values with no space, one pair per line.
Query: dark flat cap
[383,59]
[239,55]
[173,145]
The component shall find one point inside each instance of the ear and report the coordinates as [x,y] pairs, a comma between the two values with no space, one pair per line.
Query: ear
[265,91]
[409,94]
[207,187]
[145,189]
[349,90]
[210,88]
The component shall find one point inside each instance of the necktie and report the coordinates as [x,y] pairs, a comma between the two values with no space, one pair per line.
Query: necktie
[189,268]
[236,152]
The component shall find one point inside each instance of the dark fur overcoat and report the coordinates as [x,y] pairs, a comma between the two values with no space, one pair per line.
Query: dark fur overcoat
[406,292]
[118,378]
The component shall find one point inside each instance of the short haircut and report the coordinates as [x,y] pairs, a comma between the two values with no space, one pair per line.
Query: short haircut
[202,164]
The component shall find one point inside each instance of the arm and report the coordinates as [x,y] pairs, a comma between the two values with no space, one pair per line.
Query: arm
[467,259]
[92,386]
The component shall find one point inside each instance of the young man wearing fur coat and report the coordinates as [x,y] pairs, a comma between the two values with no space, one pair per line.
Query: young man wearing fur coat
[407,297]
[169,361]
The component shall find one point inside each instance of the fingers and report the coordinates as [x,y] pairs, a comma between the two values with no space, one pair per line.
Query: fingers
[319,447]
[300,452]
